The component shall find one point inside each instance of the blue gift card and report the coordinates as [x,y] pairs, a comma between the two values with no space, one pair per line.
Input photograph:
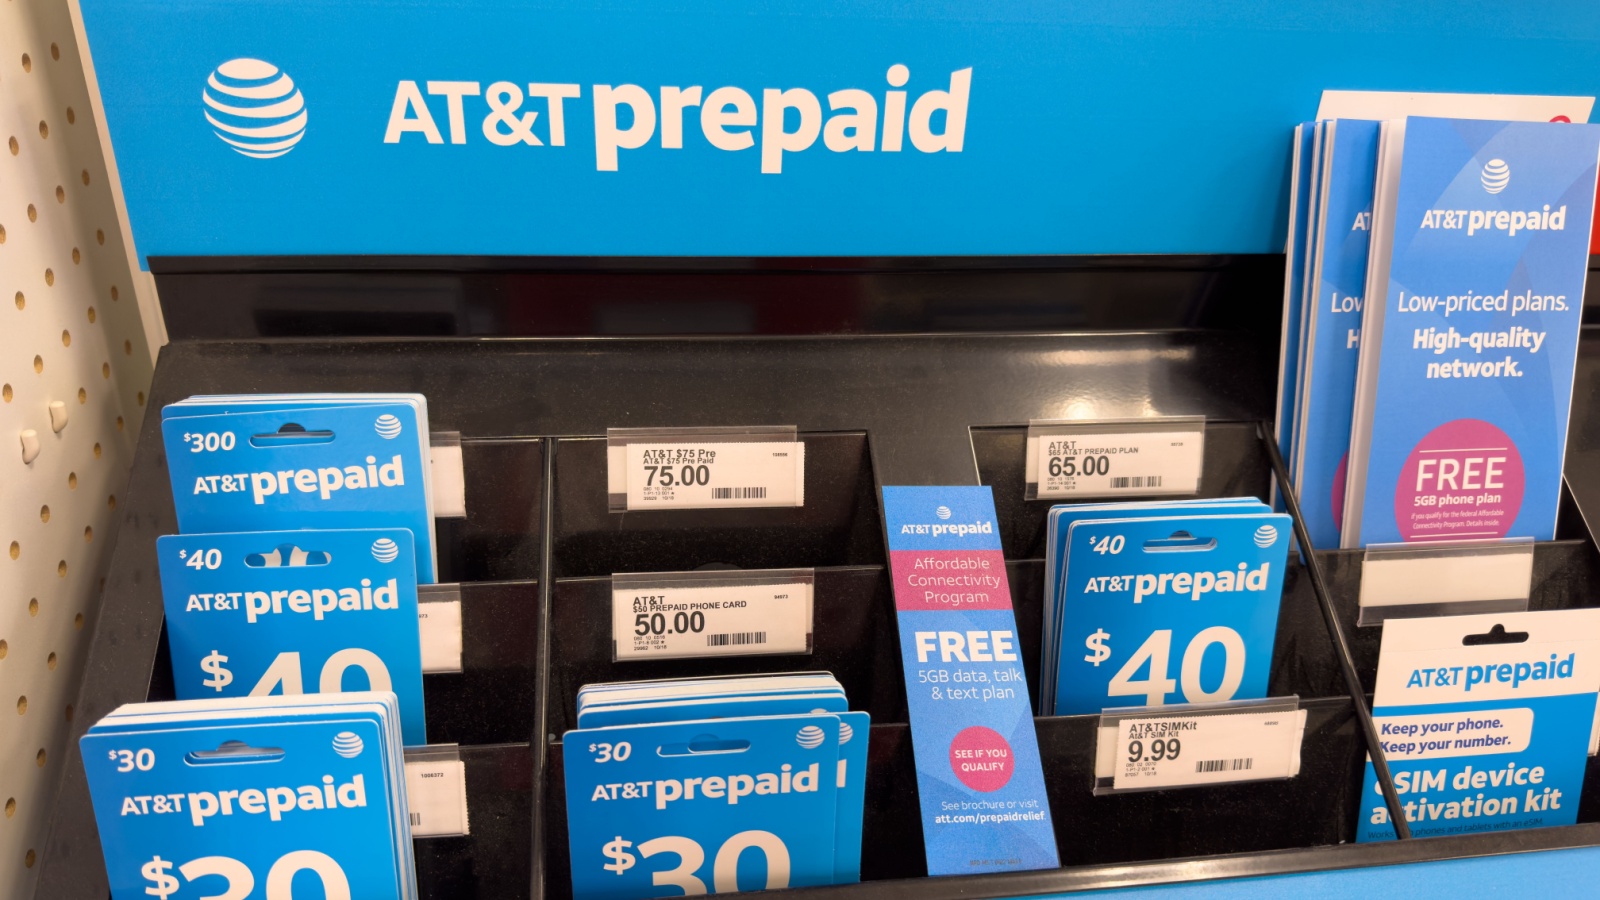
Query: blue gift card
[290,612]
[854,730]
[362,465]
[201,801]
[1182,609]
[1059,523]
[663,810]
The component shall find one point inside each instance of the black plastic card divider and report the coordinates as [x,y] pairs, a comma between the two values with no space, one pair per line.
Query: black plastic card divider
[919,409]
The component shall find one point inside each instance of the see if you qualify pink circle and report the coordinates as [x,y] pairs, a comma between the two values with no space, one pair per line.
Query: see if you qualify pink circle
[982,759]
[1463,481]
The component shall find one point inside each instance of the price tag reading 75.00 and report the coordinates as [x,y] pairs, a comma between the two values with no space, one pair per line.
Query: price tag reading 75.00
[711,475]
[1127,463]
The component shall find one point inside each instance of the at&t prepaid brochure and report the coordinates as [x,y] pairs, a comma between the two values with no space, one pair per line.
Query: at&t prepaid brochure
[1475,282]
[1487,721]
[252,797]
[1333,325]
[277,462]
[979,779]
[287,612]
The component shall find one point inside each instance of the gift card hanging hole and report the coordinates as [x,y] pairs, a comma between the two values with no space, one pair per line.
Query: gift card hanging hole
[704,745]
[1180,542]
[1495,635]
[287,556]
[291,435]
[232,753]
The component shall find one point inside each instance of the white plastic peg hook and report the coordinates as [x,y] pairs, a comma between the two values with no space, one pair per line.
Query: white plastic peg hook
[58,416]
[30,445]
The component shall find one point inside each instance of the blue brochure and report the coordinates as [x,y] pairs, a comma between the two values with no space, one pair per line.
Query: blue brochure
[1484,736]
[291,612]
[1293,268]
[1479,253]
[1333,336]
[207,799]
[675,808]
[1182,609]
[1300,179]
[979,778]
[361,465]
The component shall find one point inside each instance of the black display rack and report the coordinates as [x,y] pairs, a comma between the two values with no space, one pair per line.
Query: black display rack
[534,554]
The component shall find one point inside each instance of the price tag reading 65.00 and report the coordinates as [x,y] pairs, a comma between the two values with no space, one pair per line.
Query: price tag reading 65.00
[1093,465]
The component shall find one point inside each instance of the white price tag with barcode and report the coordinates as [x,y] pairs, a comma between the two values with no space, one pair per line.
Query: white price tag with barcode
[1180,751]
[719,620]
[436,795]
[1111,463]
[710,475]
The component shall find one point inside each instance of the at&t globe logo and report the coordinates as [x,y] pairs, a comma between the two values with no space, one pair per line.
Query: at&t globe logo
[1496,175]
[255,108]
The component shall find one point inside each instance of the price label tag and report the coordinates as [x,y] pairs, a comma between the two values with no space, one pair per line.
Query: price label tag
[665,622]
[1109,462]
[449,481]
[1181,751]
[436,793]
[709,475]
[439,626]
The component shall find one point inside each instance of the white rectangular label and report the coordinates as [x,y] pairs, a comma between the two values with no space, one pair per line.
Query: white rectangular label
[439,625]
[449,481]
[436,794]
[1179,751]
[1115,463]
[710,475]
[725,620]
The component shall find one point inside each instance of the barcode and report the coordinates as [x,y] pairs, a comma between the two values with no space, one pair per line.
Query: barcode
[736,639]
[1136,481]
[416,819]
[1223,765]
[746,493]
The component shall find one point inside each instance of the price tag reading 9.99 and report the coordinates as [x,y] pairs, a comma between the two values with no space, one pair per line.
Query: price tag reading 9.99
[1174,751]
[1160,749]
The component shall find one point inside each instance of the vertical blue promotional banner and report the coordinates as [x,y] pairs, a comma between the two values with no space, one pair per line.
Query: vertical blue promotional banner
[815,128]
[979,777]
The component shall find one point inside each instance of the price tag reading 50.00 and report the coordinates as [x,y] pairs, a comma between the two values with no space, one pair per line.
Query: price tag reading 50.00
[674,615]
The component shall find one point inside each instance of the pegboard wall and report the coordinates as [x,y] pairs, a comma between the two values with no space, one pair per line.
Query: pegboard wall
[75,366]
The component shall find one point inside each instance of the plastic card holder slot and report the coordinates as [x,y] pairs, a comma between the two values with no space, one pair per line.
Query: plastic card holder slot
[1400,581]
[713,467]
[1198,745]
[439,624]
[449,476]
[436,791]
[1097,458]
[683,615]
